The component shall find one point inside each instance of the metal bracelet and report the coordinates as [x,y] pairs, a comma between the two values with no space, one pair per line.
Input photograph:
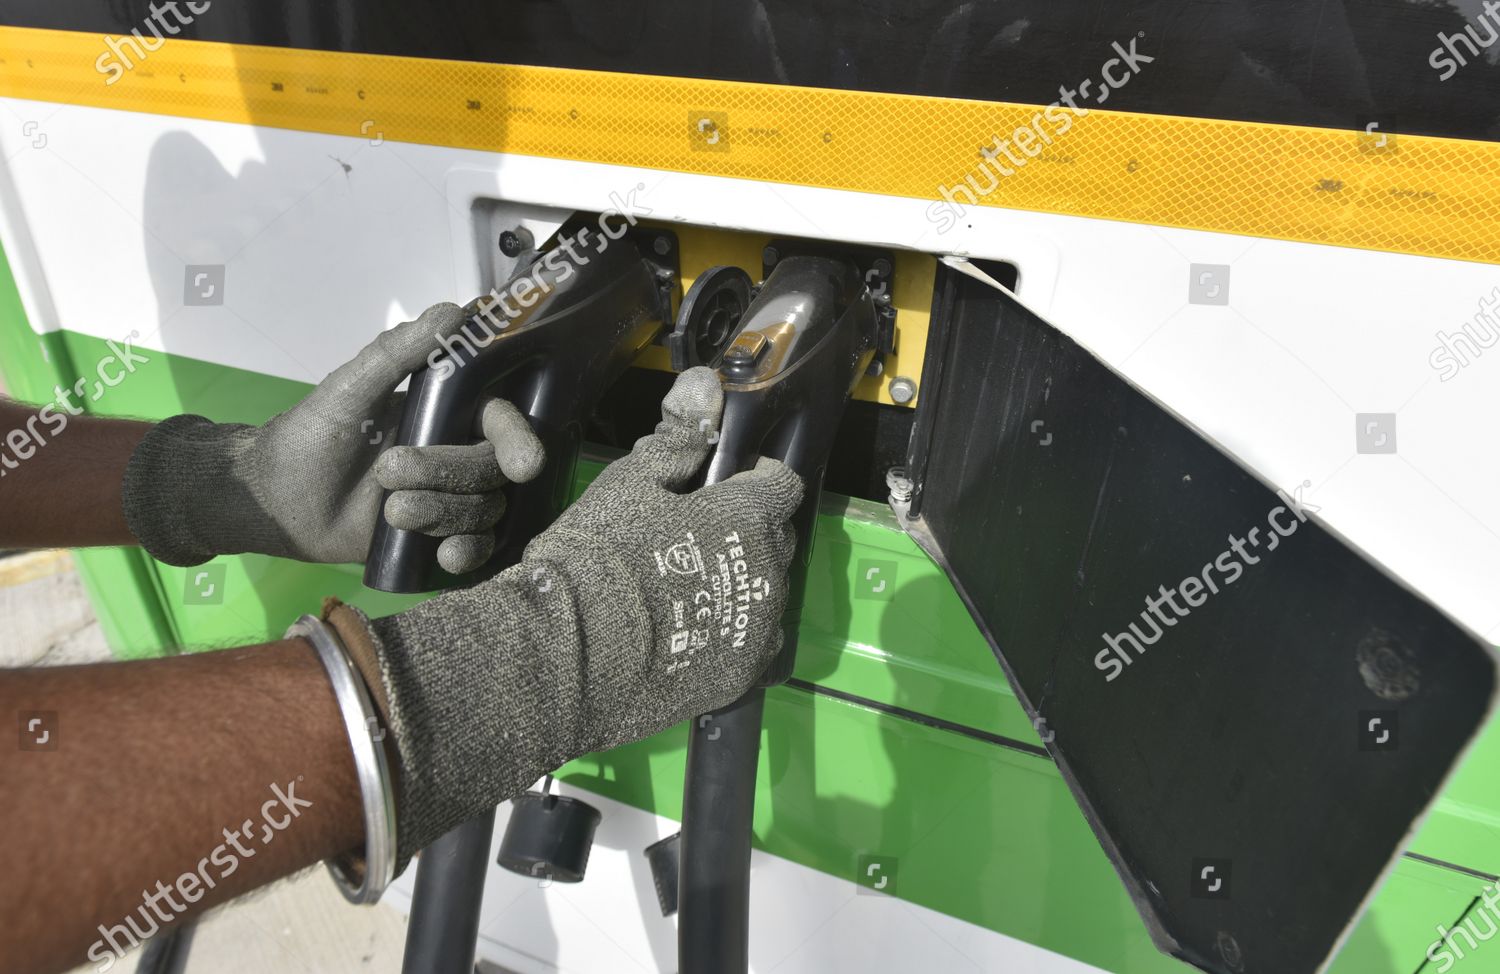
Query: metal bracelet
[359,885]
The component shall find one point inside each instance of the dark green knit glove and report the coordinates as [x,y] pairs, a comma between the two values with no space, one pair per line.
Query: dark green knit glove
[640,607]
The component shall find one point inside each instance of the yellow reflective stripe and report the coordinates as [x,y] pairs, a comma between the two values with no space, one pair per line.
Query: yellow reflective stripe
[1405,194]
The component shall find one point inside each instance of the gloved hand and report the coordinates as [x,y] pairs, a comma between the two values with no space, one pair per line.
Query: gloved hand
[307,484]
[638,608]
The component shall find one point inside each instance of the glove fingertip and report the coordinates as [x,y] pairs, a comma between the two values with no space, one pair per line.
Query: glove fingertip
[518,451]
[696,400]
[462,553]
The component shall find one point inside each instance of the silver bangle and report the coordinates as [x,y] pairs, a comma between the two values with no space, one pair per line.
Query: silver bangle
[359,885]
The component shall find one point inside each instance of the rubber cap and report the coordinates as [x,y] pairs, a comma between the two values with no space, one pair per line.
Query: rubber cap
[665,857]
[549,837]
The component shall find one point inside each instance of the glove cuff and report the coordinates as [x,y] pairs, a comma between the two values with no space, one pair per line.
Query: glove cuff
[475,722]
[179,464]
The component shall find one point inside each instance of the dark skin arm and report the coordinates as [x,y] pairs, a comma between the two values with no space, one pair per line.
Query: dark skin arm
[61,484]
[154,760]
[152,767]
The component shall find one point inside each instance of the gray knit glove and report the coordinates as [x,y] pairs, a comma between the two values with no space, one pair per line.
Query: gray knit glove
[638,608]
[307,484]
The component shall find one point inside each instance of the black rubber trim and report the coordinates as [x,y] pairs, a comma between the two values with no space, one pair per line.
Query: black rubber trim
[1441,864]
[937,723]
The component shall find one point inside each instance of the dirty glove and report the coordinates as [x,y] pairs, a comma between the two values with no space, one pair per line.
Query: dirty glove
[307,484]
[638,608]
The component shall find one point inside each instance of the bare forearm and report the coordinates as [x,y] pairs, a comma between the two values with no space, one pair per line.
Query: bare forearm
[61,477]
[211,774]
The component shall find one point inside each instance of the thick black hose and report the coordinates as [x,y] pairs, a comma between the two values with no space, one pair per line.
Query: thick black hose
[717,813]
[444,923]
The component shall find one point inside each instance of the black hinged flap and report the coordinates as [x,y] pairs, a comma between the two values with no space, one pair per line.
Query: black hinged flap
[1251,714]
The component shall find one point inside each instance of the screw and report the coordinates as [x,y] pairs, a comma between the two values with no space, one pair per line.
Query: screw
[902,389]
[514,242]
[662,246]
[875,368]
[882,267]
[899,484]
[769,256]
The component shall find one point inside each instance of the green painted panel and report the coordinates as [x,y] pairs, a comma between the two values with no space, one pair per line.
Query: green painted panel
[124,587]
[1393,937]
[984,833]
[977,831]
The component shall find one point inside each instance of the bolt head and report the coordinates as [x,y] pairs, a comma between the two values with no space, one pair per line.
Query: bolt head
[514,242]
[902,389]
